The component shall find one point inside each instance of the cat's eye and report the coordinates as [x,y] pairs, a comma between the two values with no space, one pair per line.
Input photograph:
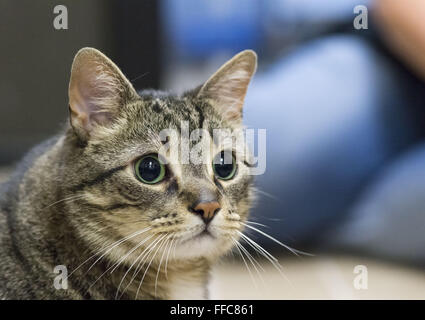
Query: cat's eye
[149,169]
[222,168]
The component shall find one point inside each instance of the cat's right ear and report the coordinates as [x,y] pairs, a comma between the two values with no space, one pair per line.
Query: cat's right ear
[97,91]
[228,86]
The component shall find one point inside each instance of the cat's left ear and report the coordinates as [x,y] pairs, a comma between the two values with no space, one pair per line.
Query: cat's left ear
[228,86]
[97,91]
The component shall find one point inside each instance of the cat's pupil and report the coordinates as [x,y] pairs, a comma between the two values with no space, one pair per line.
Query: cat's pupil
[224,170]
[149,169]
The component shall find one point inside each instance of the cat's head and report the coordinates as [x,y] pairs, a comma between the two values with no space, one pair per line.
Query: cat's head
[131,184]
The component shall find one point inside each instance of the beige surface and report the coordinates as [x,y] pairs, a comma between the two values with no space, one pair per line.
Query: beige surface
[318,278]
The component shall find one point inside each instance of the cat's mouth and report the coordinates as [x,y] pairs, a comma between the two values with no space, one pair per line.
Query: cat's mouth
[204,233]
[206,241]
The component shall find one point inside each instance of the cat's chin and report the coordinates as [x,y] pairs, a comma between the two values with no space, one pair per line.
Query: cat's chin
[203,245]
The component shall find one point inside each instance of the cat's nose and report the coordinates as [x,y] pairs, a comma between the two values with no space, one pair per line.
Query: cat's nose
[207,210]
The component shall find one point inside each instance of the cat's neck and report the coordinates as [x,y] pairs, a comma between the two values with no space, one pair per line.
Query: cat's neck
[182,280]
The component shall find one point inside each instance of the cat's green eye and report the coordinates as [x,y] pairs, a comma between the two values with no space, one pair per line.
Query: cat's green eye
[222,169]
[149,169]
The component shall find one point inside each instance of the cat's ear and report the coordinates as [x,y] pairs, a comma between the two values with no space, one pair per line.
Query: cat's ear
[228,86]
[97,91]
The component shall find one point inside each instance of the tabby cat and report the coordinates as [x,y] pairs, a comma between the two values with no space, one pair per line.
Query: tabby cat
[120,219]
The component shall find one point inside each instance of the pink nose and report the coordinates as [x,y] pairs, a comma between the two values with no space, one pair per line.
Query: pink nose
[207,210]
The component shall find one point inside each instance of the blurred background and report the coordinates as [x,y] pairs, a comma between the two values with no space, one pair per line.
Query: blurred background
[343,108]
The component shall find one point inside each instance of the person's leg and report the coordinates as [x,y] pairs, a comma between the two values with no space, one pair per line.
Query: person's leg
[389,219]
[325,108]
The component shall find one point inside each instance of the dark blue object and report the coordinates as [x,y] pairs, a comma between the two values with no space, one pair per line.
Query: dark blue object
[198,28]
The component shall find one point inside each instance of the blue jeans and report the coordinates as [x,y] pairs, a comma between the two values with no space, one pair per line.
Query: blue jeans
[337,113]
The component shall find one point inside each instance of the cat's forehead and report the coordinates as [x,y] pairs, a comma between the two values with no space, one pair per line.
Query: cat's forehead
[147,123]
[160,110]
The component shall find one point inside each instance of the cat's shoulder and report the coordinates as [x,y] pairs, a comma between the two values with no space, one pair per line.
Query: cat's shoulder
[8,187]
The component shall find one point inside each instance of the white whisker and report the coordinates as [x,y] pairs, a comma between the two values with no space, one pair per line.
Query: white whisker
[147,268]
[294,251]
[111,247]
[243,259]
[115,265]
[268,195]
[256,223]
[253,262]
[74,197]
[167,240]
[265,253]
[145,253]
[168,255]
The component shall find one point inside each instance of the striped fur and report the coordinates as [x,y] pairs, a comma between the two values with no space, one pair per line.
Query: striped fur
[76,194]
